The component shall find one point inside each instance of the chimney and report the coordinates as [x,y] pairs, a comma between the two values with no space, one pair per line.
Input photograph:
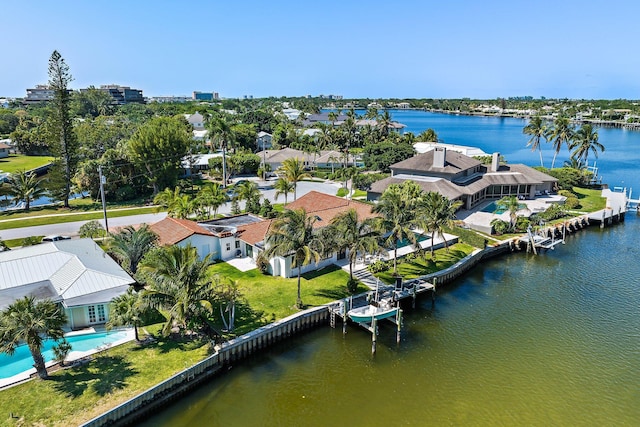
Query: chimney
[495,162]
[439,157]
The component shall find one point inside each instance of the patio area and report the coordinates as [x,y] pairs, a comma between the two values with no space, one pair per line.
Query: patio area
[478,220]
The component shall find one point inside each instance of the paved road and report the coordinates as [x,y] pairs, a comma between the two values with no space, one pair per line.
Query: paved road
[71,228]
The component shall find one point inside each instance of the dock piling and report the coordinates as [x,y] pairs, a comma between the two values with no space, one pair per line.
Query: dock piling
[374,332]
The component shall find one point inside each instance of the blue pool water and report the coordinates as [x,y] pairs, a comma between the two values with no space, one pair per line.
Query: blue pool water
[493,207]
[22,361]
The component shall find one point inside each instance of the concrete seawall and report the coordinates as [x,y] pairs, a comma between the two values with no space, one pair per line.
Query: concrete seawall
[246,345]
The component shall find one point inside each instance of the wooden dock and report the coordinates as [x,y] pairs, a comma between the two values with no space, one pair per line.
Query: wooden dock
[389,295]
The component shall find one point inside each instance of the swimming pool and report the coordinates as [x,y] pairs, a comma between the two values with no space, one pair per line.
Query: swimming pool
[497,209]
[22,361]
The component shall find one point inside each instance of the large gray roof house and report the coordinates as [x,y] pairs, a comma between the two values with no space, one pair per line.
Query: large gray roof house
[464,178]
[77,274]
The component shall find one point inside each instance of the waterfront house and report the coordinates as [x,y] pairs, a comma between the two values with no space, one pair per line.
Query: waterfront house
[323,207]
[244,236]
[217,237]
[77,274]
[460,177]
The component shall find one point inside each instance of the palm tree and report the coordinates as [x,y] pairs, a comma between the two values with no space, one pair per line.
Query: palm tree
[512,204]
[178,286]
[282,186]
[348,174]
[126,310]
[354,235]
[437,212]
[247,190]
[538,130]
[212,196]
[131,244]
[25,186]
[384,123]
[31,322]
[167,198]
[178,205]
[332,159]
[584,141]
[292,234]
[397,209]
[221,131]
[561,133]
[428,135]
[293,171]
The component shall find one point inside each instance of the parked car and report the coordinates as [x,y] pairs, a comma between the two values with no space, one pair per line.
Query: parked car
[55,238]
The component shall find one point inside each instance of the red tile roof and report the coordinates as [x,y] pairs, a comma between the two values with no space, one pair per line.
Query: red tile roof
[173,230]
[254,232]
[323,206]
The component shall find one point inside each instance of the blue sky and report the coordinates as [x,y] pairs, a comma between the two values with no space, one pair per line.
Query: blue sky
[374,49]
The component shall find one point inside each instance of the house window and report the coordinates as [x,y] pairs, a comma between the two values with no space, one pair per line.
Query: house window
[237,244]
[228,246]
[96,313]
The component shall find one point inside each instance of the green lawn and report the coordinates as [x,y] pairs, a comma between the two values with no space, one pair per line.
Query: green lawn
[19,162]
[268,298]
[76,395]
[423,265]
[61,215]
[590,200]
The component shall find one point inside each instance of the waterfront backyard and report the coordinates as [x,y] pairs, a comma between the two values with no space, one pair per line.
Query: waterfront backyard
[76,394]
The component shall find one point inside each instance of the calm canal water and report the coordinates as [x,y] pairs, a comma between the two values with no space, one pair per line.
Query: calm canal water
[520,340]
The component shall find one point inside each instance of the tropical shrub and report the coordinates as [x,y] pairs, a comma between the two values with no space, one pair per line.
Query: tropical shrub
[379,266]
[262,263]
[363,181]
[572,203]
[30,241]
[566,193]
[61,351]
[500,226]
[91,229]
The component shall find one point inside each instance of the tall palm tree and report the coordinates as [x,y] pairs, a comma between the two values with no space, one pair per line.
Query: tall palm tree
[222,132]
[126,310]
[212,196]
[25,186]
[428,135]
[31,322]
[293,171]
[292,234]
[538,130]
[247,190]
[131,244]
[178,286]
[178,205]
[512,204]
[167,198]
[384,123]
[355,236]
[435,213]
[283,186]
[397,209]
[585,141]
[560,133]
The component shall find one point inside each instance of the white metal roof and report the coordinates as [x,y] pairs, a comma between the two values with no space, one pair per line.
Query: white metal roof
[71,269]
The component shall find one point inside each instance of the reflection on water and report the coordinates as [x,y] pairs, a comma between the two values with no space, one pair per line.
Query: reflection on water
[522,340]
